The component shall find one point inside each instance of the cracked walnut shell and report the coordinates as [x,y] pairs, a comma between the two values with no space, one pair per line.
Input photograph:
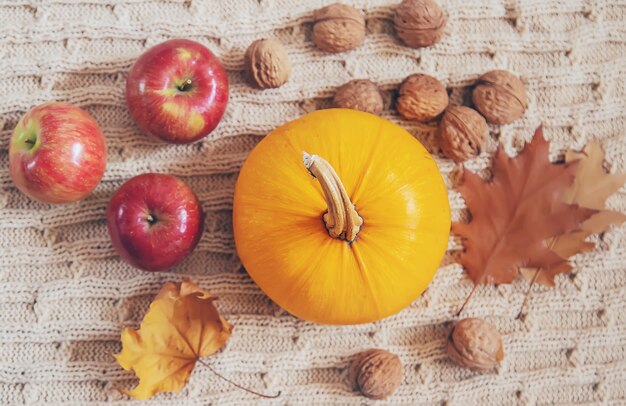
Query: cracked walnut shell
[500,96]
[267,64]
[338,28]
[360,95]
[422,98]
[376,373]
[462,133]
[475,344]
[419,23]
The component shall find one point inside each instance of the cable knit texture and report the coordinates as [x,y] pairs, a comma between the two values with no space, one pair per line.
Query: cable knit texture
[65,295]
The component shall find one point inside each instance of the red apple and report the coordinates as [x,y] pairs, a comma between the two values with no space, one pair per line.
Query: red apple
[57,153]
[177,91]
[155,221]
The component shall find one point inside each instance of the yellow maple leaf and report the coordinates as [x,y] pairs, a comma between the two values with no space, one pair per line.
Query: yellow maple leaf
[181,326]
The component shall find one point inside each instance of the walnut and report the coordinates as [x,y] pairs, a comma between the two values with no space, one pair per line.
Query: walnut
[267,64]
[500,97]
[422,98]
[419,23]
[475,344]
[376,373]
[338,28]
[462,133]
[360,95]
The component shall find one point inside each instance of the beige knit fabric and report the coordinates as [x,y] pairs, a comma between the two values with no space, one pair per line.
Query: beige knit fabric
[65,294]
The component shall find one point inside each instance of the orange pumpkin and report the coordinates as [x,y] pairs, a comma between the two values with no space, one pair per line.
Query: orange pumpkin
[341,217]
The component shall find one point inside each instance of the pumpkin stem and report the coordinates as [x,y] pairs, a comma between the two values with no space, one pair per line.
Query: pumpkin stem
[342,219]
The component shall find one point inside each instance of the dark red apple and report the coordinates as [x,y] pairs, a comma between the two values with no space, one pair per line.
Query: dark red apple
[177,91]
[57,153]
[155,221]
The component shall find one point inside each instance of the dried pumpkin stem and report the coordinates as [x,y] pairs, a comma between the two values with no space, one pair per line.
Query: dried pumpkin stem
[342,219]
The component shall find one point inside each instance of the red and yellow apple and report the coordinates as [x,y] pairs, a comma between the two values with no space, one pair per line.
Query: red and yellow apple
[177,91]
[155,221]
[57,153]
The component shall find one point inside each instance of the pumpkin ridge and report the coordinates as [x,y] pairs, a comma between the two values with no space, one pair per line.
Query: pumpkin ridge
[366,170]
[363,269]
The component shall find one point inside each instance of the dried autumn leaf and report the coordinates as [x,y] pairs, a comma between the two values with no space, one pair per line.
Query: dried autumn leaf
[564,246]
[590,189]
[181,326]
[515,212]
[600,222]
[592,186]
[573,244]
[545,276]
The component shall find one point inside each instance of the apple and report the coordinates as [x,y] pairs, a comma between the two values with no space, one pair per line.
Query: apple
[177,91]
[155,221]
[57,153]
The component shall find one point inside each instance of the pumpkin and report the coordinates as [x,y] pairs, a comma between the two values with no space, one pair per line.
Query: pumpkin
[341,217]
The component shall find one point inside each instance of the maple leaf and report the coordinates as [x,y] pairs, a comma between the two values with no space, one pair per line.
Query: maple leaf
[181,326]
[515,212]
[591,188]
[564,246]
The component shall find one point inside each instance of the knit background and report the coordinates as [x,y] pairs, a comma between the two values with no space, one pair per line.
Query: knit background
[65,295]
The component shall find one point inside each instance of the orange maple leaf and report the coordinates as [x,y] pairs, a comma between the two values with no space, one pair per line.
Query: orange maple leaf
[181,326]
[515,212]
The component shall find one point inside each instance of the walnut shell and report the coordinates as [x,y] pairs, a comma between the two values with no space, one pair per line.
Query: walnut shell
[422,98]
[267,64]
[338,28]
[462,133]
[360,95]
[475,344]
[419,23]
[500,96]
[376,373]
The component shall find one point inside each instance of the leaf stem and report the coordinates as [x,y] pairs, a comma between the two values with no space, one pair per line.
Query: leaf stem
[530,286]
[467,299]
[236,384]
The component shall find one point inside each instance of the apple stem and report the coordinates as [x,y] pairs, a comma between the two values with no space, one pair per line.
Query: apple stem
[236,384]
[151,219]
[185,86]
[30,141]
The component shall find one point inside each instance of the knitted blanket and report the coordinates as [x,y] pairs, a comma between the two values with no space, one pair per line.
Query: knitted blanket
[65,295]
